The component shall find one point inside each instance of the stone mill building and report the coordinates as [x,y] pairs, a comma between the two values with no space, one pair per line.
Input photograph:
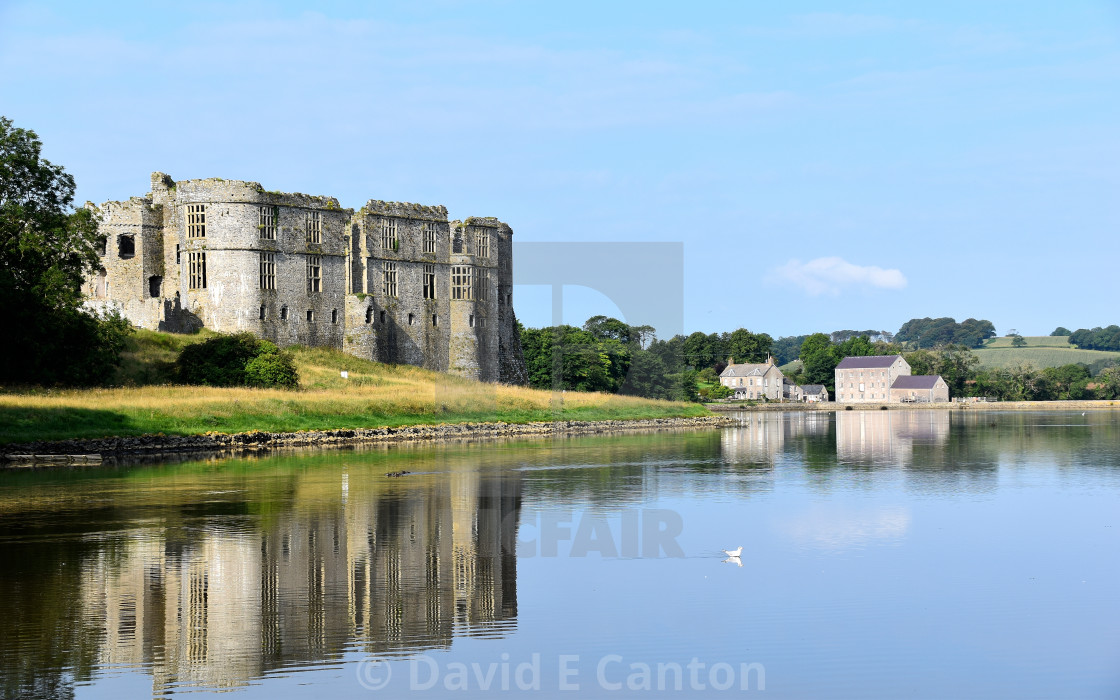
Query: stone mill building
[392,282]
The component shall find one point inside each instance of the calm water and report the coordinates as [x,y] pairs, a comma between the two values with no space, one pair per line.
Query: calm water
[885,554]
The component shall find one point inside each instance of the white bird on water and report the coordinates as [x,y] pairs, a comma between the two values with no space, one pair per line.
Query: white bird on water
[734,552]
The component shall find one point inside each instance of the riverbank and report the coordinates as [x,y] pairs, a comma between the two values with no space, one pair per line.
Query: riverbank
[337,392]
[972,406]
[216,442]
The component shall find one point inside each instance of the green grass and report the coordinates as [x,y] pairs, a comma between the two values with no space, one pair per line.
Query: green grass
[374,395]
[1040,357]
[1033,341]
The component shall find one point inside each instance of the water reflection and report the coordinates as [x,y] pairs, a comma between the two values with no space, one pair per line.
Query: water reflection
[887,438]
[222,573]
[221,599]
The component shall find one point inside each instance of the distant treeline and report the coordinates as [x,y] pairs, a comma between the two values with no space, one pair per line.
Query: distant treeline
[611,356]
[933,332]
[1097,338]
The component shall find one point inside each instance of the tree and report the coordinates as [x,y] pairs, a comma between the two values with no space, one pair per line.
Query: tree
[745,346]
[1061,330]
[932,332]
[46,250]
[1017,341]
[819,360]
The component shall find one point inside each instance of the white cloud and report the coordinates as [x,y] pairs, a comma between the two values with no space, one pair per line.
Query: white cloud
[834,275]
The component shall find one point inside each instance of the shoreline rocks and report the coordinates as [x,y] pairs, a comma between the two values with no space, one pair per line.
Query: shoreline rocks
[217,442]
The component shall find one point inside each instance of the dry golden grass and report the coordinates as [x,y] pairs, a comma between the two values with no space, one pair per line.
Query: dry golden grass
[374,395]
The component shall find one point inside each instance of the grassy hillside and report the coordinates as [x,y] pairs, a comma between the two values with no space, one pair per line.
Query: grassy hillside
[1040,351]
[374,395]
[1033,341]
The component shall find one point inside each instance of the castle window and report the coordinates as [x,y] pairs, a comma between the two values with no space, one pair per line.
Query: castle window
[457,243]
[369,314]
[197,268]
[196,221]
[435,320]
[411,319]
[314,273]
[470,322]
[509,299]
[314,225]
[334,315]
[268,270]
[389,279]
[267,224]
[482,285]
[382,317]
[102,245]
[178,254]
[310,315]
[429,281]
[461,282]
[154,284]
[261,312]
[284,313]
[126,247]
[389,239]
[481,321]
[430,237]
[484,243]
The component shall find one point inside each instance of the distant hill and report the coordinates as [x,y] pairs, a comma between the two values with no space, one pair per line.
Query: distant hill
[1040,351]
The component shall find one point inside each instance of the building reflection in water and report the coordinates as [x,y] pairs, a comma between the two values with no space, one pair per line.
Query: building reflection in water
[401,570]
[761,437]
[887,438]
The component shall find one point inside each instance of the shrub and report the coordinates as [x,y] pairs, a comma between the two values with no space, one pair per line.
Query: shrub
[235,360]
[272,369]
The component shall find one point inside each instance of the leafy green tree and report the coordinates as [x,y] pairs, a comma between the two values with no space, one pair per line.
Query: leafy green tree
[922,361]
[46,250]
[745,346]
[819,360]
[1065,378]
[932,332]
[1018,341]
[787,349]
[1108,384]
[1061,330]
[1097,338]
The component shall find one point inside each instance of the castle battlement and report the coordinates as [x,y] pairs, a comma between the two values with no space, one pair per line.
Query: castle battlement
[393,282]
[405,210]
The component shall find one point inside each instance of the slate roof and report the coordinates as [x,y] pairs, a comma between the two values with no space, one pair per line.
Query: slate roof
[746,370]
[915,381]
[870,362]
[812,389]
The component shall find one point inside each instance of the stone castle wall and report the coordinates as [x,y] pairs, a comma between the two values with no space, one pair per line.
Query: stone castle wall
[300,269]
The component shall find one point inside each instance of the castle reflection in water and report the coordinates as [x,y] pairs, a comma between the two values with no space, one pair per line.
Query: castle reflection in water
[397,571]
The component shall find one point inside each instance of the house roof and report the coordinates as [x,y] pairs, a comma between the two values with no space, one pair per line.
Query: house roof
[916,381]
[869,362]
[747,370]
[813,388]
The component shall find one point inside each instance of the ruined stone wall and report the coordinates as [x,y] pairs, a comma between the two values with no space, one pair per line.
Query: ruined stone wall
[151,282]
[408,328]
[473,350]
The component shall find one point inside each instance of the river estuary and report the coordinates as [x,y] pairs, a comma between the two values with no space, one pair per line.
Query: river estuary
[924,554]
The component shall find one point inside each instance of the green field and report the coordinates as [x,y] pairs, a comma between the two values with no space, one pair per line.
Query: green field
[1033,341]
[1040,351]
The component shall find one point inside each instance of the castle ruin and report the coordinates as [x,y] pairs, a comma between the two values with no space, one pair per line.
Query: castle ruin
[392,282]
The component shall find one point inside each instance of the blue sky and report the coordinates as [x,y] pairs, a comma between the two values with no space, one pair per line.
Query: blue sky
[826,165]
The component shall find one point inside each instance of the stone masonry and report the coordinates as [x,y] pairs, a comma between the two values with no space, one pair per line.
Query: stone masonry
[392,282]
